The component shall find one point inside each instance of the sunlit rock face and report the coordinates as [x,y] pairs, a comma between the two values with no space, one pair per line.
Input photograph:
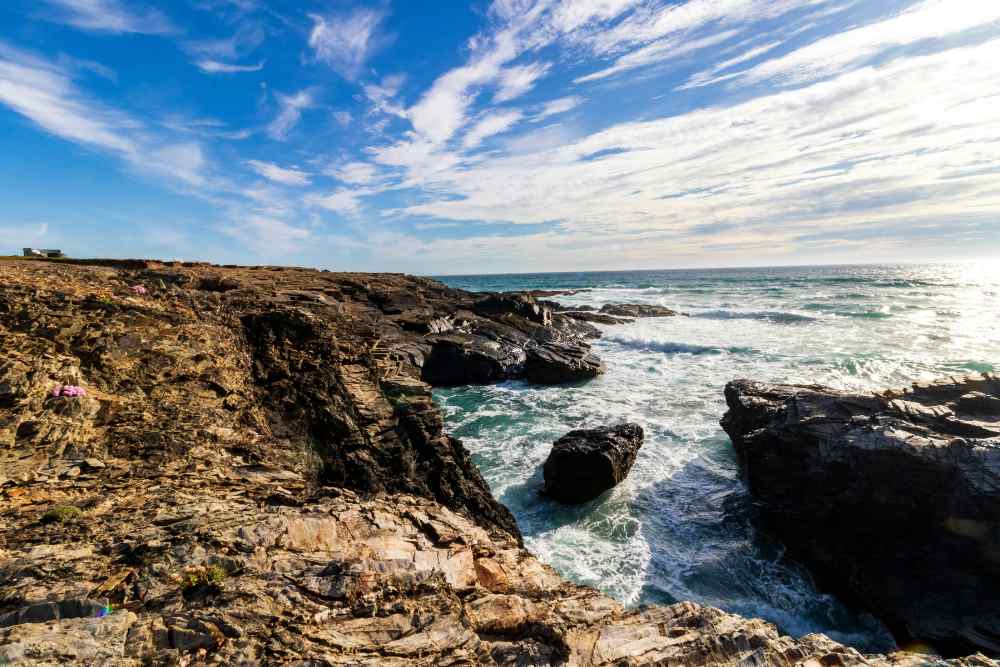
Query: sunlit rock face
[256,475]
[893,498]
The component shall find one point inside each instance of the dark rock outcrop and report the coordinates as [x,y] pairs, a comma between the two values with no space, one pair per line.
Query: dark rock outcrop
[461,358]
[637,310]
[561,362]
[585,463]
[520,305]
[893,498]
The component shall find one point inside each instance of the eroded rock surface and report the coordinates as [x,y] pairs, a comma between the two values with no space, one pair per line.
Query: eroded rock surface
[260,477]
[585,463]
[893,498]
[637,310]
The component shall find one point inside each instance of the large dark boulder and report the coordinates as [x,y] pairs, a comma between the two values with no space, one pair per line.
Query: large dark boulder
[460,358]
[585,463]
[560,362]
[893,499]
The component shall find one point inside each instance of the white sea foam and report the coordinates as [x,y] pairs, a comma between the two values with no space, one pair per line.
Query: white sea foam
[678,527]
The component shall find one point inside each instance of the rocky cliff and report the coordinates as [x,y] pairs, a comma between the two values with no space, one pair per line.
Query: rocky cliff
[893,498]
[243,466]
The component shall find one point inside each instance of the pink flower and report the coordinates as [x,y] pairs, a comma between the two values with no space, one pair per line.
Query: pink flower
[139,289]
[69,390]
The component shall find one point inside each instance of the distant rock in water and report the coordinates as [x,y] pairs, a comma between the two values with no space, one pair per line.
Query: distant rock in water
[893,498]
[600,318]
[637,310]
[585,463]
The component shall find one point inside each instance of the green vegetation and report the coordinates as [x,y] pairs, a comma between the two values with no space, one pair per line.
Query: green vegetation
[200,578]
[62,514]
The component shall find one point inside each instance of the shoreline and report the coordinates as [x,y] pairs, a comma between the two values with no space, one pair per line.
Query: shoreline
[180,408]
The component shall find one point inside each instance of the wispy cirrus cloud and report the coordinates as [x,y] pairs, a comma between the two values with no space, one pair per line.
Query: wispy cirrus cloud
[290,108]
[215,67]
[44,93]
[930,19]
[491,124]
[108,16]
[283,175]
[345,41]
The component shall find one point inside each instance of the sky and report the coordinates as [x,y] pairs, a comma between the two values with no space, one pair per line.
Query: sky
[455,137]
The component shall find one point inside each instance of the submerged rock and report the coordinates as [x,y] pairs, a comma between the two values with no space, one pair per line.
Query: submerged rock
[585,463]
[893,498]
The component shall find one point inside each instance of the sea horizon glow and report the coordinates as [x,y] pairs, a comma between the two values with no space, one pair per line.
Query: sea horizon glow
[504,136]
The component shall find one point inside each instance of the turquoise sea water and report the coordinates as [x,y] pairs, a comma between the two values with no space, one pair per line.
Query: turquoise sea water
[678,528]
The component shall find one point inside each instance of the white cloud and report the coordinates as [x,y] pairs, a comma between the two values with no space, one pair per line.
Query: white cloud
[557,106]
[443,110]
[383,94]
[712,75]
[268,236]
[289,113]
[215,67]
[652,22]
[273,172]
[837,53]
[658,52]
[354,172]
[109,16]
[343,200]
[905,144]
[489,125]
[343,118]
[45,94]
[345,42]
[184,161]
[572,15]
[516,81]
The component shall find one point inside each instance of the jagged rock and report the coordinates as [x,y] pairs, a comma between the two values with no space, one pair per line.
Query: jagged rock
[585,463]
[521,305]
[459,358]
[636,310]
[559,363]
[278,488]
[893,499]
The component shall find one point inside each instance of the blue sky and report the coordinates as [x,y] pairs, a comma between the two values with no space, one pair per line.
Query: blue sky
[513,135]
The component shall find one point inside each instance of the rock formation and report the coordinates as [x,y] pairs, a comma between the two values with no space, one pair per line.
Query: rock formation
[585,463]
[637,310]
[255,474]
[892,498]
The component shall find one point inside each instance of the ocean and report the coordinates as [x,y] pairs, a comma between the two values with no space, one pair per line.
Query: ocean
[679,527]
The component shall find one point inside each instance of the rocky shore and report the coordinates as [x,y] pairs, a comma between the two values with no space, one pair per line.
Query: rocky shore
[892,498]
[250,470]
